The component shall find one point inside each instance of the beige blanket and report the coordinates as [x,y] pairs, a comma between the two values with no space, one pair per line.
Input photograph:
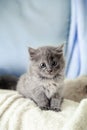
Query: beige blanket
[17,113]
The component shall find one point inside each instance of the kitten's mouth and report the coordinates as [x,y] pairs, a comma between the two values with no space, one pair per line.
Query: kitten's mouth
[49,71]
[47,76]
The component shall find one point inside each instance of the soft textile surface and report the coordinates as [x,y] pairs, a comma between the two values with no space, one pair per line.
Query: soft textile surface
[33,23]
[77,46]
[17,113]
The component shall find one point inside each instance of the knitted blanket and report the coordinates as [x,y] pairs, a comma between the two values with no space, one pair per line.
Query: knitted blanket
[18,113]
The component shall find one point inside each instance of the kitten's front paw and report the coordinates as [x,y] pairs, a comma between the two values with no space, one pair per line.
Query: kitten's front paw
[56,104]
[55,109]
[45,108]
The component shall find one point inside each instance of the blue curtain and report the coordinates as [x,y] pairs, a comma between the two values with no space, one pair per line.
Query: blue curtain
[77,44]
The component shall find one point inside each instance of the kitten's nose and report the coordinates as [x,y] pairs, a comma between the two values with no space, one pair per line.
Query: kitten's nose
[49,70]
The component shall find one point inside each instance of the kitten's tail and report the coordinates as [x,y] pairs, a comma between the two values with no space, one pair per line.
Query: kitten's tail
[8,82]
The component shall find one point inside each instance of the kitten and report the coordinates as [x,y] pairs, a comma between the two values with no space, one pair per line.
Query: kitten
[75,89]
[43,83]
[8,82]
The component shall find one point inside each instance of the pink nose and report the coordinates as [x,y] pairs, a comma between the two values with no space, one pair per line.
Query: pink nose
[49,70]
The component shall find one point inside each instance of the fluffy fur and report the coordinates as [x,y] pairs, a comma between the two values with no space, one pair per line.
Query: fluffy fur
[43,83]
[75,89]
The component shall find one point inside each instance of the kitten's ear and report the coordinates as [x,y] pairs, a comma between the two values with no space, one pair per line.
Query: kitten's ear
[32,52]
[60,48]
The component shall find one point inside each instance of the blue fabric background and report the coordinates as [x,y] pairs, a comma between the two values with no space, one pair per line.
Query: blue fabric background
[37,22]
[76,54]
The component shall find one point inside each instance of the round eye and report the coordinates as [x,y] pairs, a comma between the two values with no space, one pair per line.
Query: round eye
[42,65]
[54,63]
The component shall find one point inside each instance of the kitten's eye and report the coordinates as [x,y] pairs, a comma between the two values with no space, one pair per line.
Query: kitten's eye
[42,65]
[54,63]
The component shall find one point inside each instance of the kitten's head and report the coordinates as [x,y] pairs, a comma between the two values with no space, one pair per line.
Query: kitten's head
[47,61]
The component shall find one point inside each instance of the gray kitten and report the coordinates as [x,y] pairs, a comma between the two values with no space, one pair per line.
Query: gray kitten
[43,83]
